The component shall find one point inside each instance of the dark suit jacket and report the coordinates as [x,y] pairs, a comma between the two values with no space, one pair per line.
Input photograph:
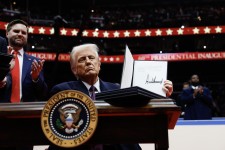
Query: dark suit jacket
[3,45]
[104,86]
[199,107]
[31,91]
[78,85]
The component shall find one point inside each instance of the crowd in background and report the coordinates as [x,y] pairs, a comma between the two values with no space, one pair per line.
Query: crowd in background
[141,16]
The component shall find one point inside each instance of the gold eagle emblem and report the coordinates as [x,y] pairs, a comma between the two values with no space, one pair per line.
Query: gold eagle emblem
[70,117]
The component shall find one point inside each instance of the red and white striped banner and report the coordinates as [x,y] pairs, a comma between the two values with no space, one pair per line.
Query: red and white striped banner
[189,56]
[201,30]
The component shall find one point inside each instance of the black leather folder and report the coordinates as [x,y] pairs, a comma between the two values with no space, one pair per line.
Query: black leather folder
[5,58]
[4,64]
[128,97]
[3,72]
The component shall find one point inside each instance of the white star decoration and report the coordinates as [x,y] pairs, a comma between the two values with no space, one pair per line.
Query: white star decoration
[63,31]
[6,25]
[116,34]
[137,33]
[111,59]
[52,31]
[106,34]
[74,32]
[31,30]
[95,33]
[41,30]
[218,29]
[148,33]
[85,33]
[158,32]
[180,31]
[207,30]
[105,59]
[126,33]
[196,30]
[169,32]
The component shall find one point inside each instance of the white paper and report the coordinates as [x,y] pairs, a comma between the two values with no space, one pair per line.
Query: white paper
[150,75]
[127,74]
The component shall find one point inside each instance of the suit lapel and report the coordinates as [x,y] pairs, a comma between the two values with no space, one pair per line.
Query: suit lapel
[26,66]
[81,87]
[103,87]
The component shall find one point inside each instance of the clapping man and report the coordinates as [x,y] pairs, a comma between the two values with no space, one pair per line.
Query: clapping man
[25,82]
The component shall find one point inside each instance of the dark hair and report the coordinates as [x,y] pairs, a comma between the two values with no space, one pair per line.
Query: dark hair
[17,21]
[186,82]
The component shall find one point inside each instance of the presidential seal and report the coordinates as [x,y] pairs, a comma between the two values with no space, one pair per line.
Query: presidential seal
[69,118]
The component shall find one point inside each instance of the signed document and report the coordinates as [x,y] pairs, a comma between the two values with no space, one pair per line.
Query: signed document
[150,75]
[127,75]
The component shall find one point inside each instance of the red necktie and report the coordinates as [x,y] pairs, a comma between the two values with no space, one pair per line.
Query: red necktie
[15,94]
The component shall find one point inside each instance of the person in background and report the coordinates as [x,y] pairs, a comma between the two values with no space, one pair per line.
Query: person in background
[31,84]
[178,100]
[85,65]
[197,100]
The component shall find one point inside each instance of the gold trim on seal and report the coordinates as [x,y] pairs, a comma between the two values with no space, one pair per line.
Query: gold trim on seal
[48,110]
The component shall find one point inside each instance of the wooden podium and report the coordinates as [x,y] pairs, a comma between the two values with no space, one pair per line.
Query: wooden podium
[21,124]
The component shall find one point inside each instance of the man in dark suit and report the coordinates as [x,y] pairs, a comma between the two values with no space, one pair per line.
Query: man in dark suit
[197,100]
[3,45]
[32,86]
[85,65]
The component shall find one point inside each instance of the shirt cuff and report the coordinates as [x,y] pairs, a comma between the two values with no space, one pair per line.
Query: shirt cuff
[35,81]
